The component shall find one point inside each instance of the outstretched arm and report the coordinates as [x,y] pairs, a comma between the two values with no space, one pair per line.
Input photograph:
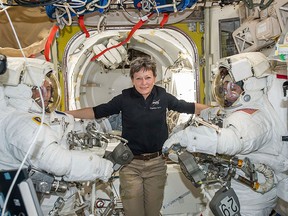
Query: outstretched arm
[85,113]
[199,107]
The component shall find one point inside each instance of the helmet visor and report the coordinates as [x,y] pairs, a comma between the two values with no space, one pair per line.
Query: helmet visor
[50,92]
[225,91]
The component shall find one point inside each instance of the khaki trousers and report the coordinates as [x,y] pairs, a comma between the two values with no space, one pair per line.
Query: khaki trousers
[142,186]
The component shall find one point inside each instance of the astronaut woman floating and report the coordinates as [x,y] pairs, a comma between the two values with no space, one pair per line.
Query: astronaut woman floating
[251,129]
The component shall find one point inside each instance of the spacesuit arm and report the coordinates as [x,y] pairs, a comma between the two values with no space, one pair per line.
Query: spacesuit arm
[196,139]
[71,164]
[51,157]
[243,133]
[75,165]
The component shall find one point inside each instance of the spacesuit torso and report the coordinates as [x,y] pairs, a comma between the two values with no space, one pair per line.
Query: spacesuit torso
[251,134]
[24,127]
[254,132]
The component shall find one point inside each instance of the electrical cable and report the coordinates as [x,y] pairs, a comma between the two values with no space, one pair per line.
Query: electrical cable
[99,6]
[125,10]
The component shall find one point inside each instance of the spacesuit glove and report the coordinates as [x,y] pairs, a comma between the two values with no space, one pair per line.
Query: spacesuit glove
[210,113]
[175,139]
[107,170]
[87,166]
[196,139]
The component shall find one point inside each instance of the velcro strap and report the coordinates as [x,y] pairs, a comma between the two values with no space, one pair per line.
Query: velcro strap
[82,25]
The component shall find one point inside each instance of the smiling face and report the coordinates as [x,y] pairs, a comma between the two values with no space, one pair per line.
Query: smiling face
[143,75]
[46,90]
[225,91]
[144,81]
[231,92]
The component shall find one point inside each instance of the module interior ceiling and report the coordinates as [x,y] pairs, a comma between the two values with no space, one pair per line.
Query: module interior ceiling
[90,83]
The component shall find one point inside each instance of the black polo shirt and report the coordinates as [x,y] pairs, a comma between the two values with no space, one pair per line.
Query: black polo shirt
[144,122]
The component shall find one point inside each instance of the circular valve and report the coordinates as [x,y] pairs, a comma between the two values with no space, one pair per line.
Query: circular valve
[99,203]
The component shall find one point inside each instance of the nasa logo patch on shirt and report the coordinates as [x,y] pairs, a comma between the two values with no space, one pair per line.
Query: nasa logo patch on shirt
[37,119]
[155,104]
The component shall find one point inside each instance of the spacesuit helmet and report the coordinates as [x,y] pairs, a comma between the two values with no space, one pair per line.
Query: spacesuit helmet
[225,90]
[23,81]
[240,79]
[49,91]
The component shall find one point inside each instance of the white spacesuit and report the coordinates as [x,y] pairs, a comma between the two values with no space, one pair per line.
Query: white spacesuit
[250,129]
[23,118]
